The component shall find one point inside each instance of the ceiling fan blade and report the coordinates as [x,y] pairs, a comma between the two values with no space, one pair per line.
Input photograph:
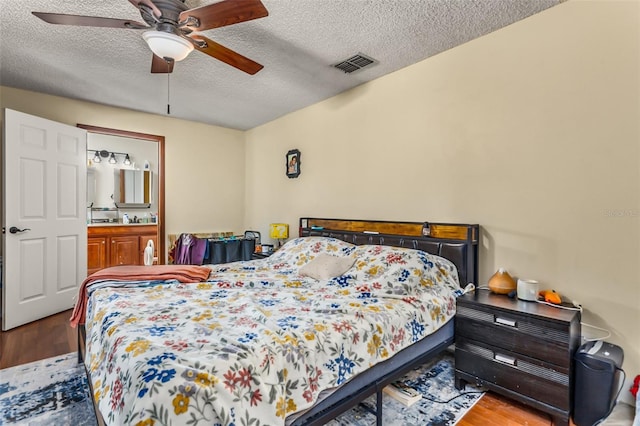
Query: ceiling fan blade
[89,21]
[161,66]
[225,55]
[226,12]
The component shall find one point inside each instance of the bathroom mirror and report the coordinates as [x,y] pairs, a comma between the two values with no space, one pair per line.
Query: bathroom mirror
[132,188]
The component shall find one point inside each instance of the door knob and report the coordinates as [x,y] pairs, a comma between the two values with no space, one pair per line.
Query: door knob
[15,230]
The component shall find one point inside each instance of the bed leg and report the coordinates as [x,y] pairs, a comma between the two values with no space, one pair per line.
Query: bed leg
[379,407]
[79,350]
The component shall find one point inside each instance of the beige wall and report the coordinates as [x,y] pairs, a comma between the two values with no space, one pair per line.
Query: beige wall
[204,165]
[531,131]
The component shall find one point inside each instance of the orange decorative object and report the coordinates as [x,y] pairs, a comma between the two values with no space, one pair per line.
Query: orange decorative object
[501,282]
[550,296]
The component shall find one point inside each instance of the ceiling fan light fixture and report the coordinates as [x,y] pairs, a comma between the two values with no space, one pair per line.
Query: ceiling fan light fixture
[167,45]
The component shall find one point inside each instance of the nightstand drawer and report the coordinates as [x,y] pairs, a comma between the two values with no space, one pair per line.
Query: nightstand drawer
[527,376]
[518,333]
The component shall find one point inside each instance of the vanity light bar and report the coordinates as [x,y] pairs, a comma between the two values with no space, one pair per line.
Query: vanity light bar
[100,154]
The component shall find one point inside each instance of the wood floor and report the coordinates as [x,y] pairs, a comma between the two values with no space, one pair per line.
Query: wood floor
[54,336]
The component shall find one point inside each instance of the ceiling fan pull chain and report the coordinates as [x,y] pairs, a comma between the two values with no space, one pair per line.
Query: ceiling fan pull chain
[168,91]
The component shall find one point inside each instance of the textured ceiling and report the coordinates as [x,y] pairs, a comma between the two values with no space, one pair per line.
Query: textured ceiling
[297,44]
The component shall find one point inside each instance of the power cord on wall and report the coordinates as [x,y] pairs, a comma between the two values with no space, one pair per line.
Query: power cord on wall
[578,307]
[584,324]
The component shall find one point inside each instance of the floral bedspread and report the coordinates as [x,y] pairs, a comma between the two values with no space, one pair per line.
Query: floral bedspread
[257,341]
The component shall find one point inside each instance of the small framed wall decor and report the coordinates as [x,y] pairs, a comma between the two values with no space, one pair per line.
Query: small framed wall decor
[293,163]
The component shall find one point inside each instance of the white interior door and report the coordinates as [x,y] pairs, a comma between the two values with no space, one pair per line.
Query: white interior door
[44,217]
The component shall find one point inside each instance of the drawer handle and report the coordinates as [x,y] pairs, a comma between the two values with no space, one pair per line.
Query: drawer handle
[504,321]
[504,358]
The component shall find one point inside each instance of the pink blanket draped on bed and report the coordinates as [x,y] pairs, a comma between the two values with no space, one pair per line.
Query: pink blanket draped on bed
[182,273]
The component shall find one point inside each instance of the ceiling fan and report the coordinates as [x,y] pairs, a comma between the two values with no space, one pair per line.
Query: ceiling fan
[171,29]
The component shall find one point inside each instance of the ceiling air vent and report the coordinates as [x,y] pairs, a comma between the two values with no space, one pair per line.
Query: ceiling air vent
[355,63]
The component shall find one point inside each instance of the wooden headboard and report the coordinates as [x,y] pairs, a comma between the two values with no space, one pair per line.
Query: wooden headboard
[453,241]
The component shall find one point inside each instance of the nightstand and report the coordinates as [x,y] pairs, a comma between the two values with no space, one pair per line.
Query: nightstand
[522,350]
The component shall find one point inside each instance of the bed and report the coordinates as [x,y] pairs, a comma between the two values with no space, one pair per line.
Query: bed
[296,338]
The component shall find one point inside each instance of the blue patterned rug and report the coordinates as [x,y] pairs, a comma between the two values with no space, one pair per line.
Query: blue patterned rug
[54,391]
[435,381]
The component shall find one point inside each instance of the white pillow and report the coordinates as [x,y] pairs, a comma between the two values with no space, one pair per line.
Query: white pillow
[324,266]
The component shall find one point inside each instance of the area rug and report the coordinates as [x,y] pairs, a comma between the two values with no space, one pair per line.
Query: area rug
[54,391]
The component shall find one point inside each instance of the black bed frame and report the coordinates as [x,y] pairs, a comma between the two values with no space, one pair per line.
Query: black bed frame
[456,242]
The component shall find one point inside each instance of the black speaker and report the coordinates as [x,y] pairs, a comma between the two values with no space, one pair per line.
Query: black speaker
[598,376]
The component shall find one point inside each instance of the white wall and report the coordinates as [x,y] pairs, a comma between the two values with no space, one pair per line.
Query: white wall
[531,131]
